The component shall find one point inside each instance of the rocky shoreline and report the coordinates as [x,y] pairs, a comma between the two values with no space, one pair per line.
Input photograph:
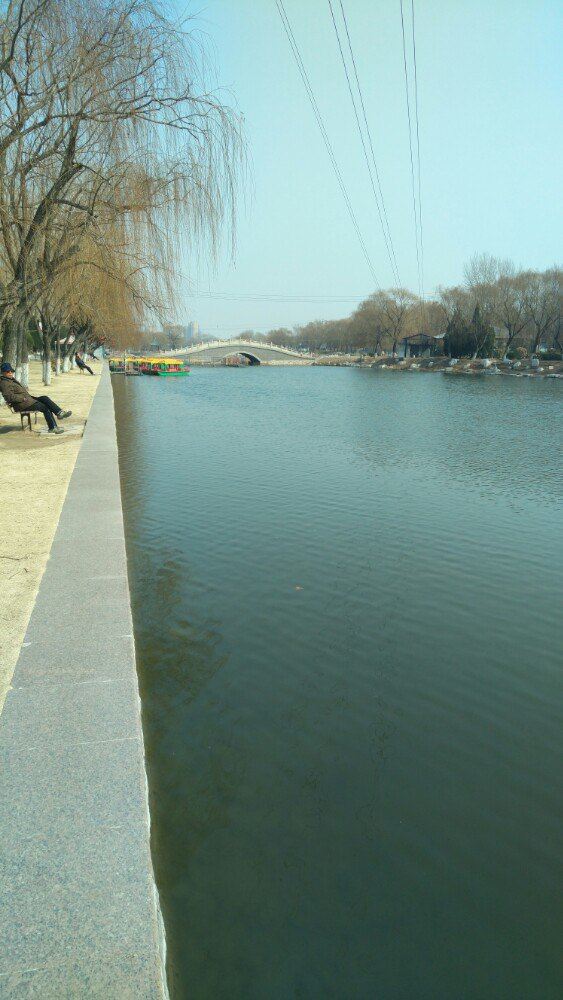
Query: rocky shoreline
[524,368]
[519,368]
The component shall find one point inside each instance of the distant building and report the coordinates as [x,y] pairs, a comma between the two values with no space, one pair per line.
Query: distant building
[193,331]
[420,345]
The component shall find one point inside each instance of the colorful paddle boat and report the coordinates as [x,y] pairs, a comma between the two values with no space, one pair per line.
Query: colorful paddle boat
[163,366]
[125,366]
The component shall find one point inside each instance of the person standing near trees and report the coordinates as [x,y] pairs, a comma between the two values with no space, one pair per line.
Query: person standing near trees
[81,364]
[18,397]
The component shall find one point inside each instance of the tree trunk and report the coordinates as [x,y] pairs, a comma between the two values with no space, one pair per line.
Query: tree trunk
[57,354]
[68,349]
[24,356]
[46,356]
[16,350]
[508,345]
[10,343]
[9,348]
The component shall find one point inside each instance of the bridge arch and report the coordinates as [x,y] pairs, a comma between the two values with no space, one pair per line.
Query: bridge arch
[244,354]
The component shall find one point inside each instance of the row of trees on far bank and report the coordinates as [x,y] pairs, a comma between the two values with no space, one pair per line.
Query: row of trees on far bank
[500,309]
[114,158]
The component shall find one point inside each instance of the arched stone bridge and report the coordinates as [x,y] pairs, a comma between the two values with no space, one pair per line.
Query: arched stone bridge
[215,351]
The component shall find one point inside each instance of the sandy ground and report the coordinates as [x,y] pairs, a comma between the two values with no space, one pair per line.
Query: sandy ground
[36,469]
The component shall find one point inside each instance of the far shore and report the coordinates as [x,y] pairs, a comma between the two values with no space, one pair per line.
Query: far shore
[517,368]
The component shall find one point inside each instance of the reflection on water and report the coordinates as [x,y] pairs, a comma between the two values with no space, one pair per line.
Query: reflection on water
[345,594]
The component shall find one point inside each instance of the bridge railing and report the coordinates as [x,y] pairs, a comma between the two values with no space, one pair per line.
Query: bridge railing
[210,344]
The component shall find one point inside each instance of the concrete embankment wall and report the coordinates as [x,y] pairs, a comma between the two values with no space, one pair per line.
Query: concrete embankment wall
[79,910]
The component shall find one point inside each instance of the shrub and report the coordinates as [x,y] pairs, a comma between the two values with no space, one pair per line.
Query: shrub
[551,355]
[517,353]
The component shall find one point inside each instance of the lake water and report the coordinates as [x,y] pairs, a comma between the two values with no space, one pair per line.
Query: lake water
[347,602]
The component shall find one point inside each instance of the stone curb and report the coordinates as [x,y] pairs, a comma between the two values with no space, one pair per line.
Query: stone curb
[78,903]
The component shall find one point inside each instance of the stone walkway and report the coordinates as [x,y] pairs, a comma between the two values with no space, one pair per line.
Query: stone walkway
[79,913]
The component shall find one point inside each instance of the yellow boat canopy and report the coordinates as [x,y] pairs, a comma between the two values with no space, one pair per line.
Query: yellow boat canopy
[163,361]
[141,359]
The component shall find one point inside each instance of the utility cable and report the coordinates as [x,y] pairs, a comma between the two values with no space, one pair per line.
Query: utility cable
[273,297]
[381,211]
[361,134]
[418,160]
[415,214]
[309,90]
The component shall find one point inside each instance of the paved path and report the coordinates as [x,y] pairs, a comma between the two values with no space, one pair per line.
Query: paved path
[78,908]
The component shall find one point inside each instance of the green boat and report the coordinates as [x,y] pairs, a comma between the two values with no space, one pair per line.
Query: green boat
[163,366]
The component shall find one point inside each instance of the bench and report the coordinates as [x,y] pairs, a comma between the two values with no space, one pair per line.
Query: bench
[25,415]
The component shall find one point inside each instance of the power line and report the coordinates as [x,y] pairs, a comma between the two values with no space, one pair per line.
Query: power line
[415,215]
[273,297]
[418,154]
[382,217]
[305,78]
[360,131]
[309,90]
[368,132]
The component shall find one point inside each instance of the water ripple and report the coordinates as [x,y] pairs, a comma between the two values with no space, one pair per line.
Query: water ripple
[346,596]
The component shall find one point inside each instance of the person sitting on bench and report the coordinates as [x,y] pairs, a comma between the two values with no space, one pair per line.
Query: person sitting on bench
[82,364]
[22,401]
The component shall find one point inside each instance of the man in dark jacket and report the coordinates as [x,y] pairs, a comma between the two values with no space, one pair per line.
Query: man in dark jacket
[81,364]
[20,399]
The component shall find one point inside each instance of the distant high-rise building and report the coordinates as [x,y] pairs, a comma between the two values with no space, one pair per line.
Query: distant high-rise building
[193,331]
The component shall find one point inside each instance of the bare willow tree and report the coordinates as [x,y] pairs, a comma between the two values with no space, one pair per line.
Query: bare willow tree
[558,295]
[542,302]
[398,311]
[369,324]
[511,312]
[111,146]
[453,301]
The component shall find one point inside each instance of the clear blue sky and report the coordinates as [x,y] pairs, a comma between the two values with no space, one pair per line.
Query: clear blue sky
[490,86]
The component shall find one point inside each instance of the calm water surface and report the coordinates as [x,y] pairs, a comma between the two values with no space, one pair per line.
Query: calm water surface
[347,601]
